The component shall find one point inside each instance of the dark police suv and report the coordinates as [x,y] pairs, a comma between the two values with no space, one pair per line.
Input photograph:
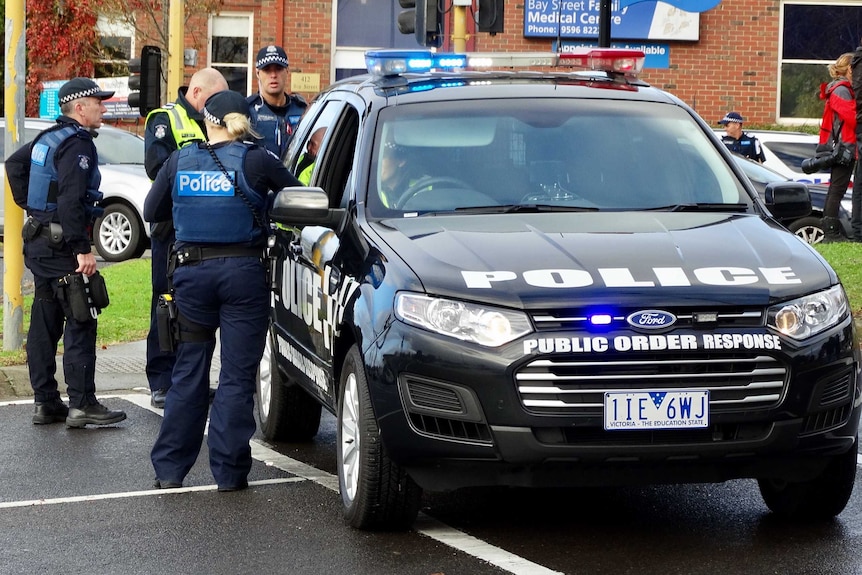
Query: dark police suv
[555,277]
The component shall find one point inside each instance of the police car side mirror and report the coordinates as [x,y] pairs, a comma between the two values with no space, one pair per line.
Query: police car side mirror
[788,200]
[300,206]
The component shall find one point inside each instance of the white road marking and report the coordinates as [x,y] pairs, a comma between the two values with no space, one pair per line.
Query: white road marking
[126,494]
[424,524]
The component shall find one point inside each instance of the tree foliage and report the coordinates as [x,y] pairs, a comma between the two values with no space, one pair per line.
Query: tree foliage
[62,43]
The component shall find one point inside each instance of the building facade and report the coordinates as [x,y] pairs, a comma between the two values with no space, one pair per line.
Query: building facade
[763,58]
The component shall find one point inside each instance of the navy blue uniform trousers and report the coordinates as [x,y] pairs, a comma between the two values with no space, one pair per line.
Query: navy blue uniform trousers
[51,319]
[229,294]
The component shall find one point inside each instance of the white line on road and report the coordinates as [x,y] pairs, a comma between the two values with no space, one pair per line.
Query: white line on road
[424,524]
[148,492]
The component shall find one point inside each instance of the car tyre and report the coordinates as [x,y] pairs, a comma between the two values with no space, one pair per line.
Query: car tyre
[286,412]
[118,234]
[376,492]
[809,229]
[820,498]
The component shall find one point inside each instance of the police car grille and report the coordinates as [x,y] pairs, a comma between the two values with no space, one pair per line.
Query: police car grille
[571,385]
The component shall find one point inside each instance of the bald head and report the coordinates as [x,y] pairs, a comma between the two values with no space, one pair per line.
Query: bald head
[204,83]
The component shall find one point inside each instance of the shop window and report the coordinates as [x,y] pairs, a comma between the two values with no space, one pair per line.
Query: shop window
[115,48]
[230,39]
[813,35]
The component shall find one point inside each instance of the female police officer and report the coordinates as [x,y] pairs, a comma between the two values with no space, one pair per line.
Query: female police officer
[217,193]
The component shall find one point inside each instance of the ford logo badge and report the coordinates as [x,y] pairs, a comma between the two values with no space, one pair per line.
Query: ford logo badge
[651,319]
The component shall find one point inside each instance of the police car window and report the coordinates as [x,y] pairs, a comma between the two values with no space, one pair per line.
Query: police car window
[792,153]
[297,144]
[570,154]
[319,115]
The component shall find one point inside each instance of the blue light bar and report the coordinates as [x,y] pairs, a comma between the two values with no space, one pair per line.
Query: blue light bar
[395,62]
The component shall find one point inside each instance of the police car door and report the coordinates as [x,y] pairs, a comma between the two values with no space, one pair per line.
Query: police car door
[312,288]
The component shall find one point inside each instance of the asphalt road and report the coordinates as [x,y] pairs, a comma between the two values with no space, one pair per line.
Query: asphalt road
[81,501]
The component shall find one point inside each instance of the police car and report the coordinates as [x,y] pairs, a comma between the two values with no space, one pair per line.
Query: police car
[555,277]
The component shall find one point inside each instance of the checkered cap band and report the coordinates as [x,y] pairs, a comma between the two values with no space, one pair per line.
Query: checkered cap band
[80,94]
[210,118]
[272,59]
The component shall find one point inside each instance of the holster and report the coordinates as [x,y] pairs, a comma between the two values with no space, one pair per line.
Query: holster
[86,296]
[75,293]
[167,324]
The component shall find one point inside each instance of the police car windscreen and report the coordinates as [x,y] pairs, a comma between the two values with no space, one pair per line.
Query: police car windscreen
[605,155]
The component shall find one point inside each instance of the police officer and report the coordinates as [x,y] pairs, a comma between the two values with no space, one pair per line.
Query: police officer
[62,188]
[305,166]
[168,129]
[275,113]
[218,194]
[738,141]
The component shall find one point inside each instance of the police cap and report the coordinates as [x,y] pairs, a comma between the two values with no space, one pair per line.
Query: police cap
[271,55]
[223,103]
[82,88]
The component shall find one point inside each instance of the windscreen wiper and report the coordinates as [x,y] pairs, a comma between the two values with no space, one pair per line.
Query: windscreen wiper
[700,207]
[509,209]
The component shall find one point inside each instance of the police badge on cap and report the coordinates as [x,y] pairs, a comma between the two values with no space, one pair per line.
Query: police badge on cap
[271,55]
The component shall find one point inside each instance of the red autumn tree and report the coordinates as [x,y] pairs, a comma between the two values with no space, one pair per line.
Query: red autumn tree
[62,43]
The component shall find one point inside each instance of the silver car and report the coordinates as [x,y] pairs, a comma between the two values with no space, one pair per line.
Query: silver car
[120,233]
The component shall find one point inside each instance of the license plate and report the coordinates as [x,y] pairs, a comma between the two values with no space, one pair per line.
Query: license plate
[678,409]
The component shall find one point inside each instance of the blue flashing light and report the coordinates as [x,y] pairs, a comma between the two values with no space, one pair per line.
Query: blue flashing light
[395,62]
[601,319]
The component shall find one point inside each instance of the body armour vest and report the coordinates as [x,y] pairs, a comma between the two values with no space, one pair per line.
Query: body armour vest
[208,207]
[275,131]
[42,190]
[183,129]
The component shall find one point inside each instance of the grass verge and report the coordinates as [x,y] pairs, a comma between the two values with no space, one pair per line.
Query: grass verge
[126,319]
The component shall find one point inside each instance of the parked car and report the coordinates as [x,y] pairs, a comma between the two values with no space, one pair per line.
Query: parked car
[808,227]
[120,233]
[785,152]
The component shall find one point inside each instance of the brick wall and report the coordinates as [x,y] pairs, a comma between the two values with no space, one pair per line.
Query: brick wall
[733,66]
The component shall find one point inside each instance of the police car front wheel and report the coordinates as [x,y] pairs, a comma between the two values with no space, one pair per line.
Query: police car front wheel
[820,498]
[376,492]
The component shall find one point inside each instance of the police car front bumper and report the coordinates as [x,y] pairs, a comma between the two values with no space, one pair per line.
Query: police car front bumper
[455,417]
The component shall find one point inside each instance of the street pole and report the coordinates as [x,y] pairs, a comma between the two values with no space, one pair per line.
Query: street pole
[175,48]
[459,25]
[13,245]
[605,24]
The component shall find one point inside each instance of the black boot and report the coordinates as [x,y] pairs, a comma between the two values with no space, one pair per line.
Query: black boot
[831,230]
[96,414]
[50,412]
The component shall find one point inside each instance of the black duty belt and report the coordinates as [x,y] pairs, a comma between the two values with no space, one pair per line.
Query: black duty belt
[193,254]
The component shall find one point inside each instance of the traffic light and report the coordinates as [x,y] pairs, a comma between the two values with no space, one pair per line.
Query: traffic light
[424,19]
[490,16]
[145,80]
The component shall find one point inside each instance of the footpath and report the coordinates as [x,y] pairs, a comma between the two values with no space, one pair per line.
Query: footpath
[119,368]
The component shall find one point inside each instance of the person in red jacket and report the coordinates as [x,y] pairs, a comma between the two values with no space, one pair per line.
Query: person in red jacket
[837,130]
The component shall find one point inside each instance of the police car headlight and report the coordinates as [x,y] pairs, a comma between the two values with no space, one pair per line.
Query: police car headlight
[807,316]
[488,326]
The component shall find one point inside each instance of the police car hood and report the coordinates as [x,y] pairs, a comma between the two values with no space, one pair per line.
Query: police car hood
[661,258]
